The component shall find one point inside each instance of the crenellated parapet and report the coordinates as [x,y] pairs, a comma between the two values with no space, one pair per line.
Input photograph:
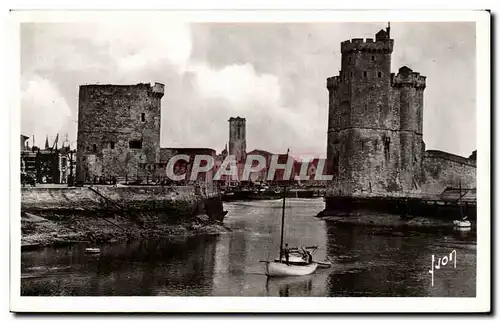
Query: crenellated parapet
[332,83]
[367,45]
[408,78]
[158,90]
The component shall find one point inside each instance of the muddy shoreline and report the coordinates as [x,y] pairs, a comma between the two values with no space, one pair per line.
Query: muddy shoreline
[48,229]
[389,221]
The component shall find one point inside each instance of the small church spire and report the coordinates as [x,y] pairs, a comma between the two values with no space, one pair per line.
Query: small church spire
[46,142]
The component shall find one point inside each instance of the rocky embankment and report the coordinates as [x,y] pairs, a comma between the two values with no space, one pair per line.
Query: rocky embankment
[382,220]
[52,216]
[55,229]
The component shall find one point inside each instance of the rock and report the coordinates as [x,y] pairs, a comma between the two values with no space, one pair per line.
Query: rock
[203,218]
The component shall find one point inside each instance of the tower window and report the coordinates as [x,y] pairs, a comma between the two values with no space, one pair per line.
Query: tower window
[112,145]
[352,74]
[362,145]
[365,74]
[143,117]
[336,164]
[366,107]
[387,144]
[373,58]
[135,144]
[379,74]
[94,148]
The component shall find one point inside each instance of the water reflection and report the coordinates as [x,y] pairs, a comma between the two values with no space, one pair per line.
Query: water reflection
[289,286]
[136,268]
[367,261]
[381,262]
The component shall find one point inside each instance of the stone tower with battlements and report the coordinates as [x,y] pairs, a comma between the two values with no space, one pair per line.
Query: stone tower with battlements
[375,121]
[118,130]
[237,138]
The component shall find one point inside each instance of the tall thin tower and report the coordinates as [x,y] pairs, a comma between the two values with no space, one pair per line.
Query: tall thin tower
[237,137]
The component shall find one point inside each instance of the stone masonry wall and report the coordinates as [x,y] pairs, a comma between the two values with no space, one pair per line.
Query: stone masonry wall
[237,137]
[366,164]
[109,118]
[374,143]
[442,170]
[161,201]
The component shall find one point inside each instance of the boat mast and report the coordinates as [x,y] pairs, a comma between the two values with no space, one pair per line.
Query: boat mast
[283,213]
[458,203]
[282,224]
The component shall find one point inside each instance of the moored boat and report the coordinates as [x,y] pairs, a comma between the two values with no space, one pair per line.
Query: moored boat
[282,269]
[92,250]
[324,264]
[295,265]
[294,259]
[462,223]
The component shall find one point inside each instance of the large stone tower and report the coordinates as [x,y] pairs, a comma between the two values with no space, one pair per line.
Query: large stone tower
[118,130]
[375,120]
[237,137]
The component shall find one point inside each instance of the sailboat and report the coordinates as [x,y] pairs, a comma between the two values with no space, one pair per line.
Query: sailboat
[280,267]
[463,223]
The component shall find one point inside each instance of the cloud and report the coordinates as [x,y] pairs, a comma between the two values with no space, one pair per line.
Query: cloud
[44,110]
[272,74]
[152,44]
[239,84]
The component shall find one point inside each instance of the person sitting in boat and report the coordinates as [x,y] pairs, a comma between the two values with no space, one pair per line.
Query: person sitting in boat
[286,252]
[303,253]
[309,257]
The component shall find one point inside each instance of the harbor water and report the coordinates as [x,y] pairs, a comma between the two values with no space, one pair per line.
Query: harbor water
[367,261]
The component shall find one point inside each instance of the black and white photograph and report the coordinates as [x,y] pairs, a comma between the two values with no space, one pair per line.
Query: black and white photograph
[236,161]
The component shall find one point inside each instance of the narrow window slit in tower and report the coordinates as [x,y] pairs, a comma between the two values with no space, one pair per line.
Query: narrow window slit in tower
[365,74]
[135,144]
[143,117]
[387,143]
[379,74]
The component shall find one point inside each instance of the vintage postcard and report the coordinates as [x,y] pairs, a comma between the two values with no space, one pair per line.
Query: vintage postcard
[250,161]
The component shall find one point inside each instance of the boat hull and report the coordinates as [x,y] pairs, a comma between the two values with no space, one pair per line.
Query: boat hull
[324,264]
[282,269]
[294,259]
[462,223]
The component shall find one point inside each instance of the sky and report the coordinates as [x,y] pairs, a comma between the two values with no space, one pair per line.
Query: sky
[274,75]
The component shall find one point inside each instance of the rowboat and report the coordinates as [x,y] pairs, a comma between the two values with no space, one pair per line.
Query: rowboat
[324,264]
